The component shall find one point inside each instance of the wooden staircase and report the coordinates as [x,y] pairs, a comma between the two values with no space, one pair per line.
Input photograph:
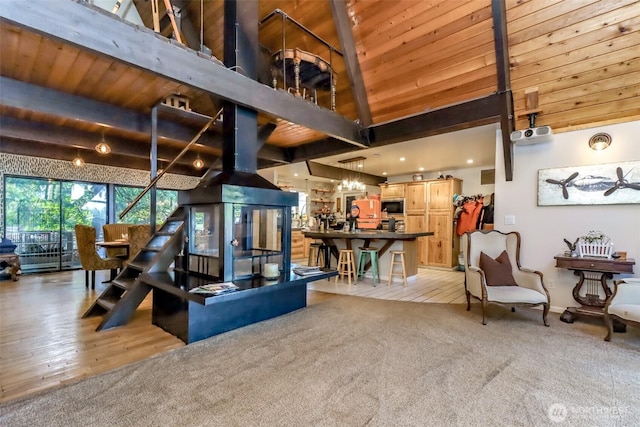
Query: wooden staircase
[119,301]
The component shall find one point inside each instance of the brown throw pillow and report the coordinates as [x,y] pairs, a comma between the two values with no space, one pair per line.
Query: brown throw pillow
[497,271]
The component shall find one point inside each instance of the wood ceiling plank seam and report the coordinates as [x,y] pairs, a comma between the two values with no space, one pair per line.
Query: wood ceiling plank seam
[431,31]
[607,59]
[408,19]
[592,112]
[430,77]
[28,55]
[598,86]
[595,98]
[560,36]
[92,78]
[441,103]
[470,78]
[9,46]
[517,9]
[580,20]
[62,67]
[609,32]
[47,53]
[479,33]
[376,78]
[488,84]
[444,48]
[553,11]
[369,19]
[127,83]
[604,121]
[576,56]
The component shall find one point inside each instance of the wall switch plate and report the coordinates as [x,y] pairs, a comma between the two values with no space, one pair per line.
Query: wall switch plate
[509,220]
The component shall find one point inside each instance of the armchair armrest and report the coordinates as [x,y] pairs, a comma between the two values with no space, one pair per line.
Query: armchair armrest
[530,279]
[475,280]
[626,293]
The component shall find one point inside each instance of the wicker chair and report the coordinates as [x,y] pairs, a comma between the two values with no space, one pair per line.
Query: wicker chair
[89,258]
[138,238]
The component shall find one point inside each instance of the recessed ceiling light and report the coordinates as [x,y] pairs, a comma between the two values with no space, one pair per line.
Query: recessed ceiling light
[421,169]
[402,159]
[295,174]
[384,173]
[360,166]
[470,161]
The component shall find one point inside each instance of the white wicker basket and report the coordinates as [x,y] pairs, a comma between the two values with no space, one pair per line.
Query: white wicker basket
[603,250]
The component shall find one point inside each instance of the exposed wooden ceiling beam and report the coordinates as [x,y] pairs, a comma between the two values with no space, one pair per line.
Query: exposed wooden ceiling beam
[25,96]
[345,34]
[325,171]
[500,38]
[37,149]
[92,29]
[468,114]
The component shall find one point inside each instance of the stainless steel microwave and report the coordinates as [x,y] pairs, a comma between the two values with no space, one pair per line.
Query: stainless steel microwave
[392,206]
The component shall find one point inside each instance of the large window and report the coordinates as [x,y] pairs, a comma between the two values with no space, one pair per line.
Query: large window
[166,203]
[40,216]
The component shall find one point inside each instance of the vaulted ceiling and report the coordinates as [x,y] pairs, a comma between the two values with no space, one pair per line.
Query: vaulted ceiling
[72,74]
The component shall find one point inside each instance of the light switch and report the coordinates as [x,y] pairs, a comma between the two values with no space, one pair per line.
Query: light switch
[509,220]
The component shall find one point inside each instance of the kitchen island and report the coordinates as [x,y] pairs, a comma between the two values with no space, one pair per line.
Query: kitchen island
[385,241]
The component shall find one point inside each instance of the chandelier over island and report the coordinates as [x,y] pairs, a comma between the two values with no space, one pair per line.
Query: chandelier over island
[351,179]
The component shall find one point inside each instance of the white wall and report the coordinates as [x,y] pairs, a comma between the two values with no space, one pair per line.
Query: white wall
[470,179]
[544,227]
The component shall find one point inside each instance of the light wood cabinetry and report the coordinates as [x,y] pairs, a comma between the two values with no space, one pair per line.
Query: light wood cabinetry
[416,198]
[392,191]
[418,223]
[444,246]
[297,244]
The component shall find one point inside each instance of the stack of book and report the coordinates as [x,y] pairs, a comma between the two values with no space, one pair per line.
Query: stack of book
[215,289]
[307,271]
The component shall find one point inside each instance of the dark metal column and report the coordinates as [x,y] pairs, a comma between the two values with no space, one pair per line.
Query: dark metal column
[154,167]
[240,142]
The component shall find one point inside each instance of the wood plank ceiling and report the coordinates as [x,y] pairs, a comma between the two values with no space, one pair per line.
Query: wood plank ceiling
[415,58]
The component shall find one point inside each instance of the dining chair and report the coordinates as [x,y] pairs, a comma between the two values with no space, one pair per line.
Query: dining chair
[138,237]
[89,257]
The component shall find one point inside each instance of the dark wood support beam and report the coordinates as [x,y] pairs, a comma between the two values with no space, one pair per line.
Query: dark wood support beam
[348,45]
[71,139]
[500,37]
[477,112]
[92,29]
[24,96]
[37,149]
[324,171]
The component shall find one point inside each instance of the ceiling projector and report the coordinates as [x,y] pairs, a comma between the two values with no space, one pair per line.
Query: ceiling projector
[533,135]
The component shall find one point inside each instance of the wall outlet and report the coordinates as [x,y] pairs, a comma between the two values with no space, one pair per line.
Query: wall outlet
[550,284]
[509,220]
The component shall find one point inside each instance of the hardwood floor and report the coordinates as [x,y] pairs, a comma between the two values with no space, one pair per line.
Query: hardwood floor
[44,342]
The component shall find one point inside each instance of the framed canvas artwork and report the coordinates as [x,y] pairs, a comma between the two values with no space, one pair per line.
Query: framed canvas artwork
[604,184]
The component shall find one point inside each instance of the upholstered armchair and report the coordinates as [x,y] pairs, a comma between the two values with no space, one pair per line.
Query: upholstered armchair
[89,258]
[114,232]
[494,276]
[138,238]
[623,305]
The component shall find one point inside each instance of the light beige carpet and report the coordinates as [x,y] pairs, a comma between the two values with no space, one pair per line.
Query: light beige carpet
[352,361]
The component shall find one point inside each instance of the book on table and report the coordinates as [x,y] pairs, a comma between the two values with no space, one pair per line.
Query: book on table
[307,271]
[215,289]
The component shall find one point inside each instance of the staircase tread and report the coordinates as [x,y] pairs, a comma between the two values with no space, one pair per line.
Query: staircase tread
[107,302]
[124,282]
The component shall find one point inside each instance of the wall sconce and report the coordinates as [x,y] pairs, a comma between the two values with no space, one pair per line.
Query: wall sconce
[103,147]
[600,141]
[198,163]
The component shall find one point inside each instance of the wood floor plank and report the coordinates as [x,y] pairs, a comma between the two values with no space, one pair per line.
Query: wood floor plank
[45,343]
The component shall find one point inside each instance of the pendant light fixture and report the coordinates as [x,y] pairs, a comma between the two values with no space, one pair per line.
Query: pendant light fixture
[103,147]
[78,161]
[198,163]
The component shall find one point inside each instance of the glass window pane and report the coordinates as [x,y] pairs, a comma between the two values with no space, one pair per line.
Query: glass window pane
[166,203]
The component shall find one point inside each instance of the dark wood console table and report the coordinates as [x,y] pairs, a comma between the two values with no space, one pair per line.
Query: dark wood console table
[593,274]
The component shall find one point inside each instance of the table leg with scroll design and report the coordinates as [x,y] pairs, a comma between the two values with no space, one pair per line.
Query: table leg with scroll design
[591,301]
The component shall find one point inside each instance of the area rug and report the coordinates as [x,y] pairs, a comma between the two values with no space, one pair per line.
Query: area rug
[351,361]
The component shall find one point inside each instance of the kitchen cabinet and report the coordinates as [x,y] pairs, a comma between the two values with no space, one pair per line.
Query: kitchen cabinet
[416,198]
[418,224]
[297,244]
[392,191]
[444,246]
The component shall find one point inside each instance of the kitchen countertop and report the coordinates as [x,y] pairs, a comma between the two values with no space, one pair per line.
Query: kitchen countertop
[367,234]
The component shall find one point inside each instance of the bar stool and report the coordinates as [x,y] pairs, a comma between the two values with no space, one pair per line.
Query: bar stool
[314,254]
[393,261]
[362,261]
[326,253]
[347,266]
